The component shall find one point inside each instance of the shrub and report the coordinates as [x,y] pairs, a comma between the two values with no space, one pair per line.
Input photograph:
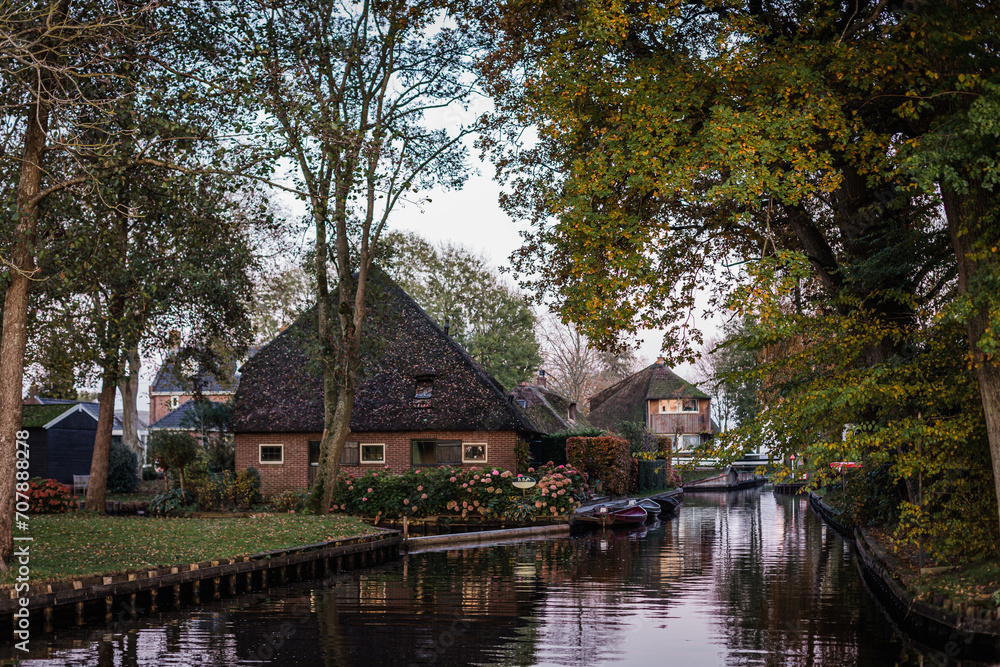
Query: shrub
[246,488]
[171,500]
[639,438]
[173,450]
[604,457]
[123,469]
[466,492]
[290,501]
[47,496]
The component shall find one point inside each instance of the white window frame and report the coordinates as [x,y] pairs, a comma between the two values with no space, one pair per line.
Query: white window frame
[361,449]
[260,453]
[685,440]
[174,402]
[486,452]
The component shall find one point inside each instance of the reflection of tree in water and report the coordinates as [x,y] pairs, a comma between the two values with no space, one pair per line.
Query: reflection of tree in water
[788,589]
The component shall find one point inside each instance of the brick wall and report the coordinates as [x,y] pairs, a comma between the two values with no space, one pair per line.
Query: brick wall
[159,405]
[293,473]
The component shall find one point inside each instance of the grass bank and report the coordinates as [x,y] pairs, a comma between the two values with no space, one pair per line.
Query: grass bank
[973,583]
[67,546]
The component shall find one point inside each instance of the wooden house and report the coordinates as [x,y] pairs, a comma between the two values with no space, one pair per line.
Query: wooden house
[421,401]
[60,439]
[665,403]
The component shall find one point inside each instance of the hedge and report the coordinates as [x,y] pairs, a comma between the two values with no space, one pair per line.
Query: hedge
[606,458]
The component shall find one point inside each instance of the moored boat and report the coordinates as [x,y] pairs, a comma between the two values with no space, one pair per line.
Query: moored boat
[599,515]
[651,506]
[629,514]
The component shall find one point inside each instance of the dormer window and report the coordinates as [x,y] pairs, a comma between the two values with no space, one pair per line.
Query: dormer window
[423,392]
[425,388]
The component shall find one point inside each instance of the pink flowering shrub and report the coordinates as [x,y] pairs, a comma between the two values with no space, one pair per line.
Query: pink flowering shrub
[460,492]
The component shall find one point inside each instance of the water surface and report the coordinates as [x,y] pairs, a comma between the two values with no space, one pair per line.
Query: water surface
[743,578]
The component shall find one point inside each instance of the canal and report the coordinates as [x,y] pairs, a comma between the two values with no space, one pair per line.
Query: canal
[746,578]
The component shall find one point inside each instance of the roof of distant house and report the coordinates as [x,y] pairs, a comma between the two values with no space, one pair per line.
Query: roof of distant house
[172,379]
[626,401]
[281,388]
[548,410]
[181,419]
[33,414]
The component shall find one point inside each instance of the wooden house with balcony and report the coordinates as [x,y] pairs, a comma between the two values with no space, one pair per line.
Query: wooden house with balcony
[665,403]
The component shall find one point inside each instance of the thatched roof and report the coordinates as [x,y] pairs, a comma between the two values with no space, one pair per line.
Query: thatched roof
[281,387]
[626,401]
[548,410]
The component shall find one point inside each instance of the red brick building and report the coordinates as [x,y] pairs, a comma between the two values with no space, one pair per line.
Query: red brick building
[175,385]
[422,401]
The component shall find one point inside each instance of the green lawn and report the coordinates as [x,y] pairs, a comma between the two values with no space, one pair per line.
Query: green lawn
[78,545]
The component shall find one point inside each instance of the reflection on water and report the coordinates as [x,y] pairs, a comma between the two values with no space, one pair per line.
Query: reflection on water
[743,578]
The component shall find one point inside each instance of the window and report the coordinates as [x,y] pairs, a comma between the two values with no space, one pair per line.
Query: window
[272,454]
[676,405]
[436,452]
[374,453]
[350,455]
[688,442]
[174,402]
[523,403]
[474,452]
[425,388]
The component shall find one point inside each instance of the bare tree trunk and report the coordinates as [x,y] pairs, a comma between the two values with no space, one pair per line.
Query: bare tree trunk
[15,315]
[968,219]
[129,388]
[96,489]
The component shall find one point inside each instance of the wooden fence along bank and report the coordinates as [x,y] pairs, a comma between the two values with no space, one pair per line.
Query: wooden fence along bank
[171,587]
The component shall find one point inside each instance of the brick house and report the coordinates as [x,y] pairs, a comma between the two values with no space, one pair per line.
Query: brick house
[175,385]
[665,403]
[421,401]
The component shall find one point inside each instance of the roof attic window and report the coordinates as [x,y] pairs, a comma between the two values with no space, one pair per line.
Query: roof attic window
[425,388]
[523,403]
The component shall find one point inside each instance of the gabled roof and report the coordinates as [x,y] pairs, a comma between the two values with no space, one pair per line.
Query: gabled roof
[548,410]
[34,416]
[37,416]
[183,418]
[170,379]
[281,387]
[626,401]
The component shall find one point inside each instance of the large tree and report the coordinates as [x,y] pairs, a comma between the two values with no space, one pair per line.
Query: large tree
[673,137]
[344,90]
[53,58]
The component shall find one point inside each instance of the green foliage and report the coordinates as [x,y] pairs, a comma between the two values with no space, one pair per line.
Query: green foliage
[466,492]
[604,458]
[486,316]
[639,438]
[290,501]
[47,496]
[173,451]
[523,454]
[123,469]
[170,501]
[225,490]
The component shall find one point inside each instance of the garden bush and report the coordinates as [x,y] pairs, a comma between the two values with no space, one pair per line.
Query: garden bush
[463,492]
[606,458]
[123,469]
[173,499]
[47,496]
[290,501]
